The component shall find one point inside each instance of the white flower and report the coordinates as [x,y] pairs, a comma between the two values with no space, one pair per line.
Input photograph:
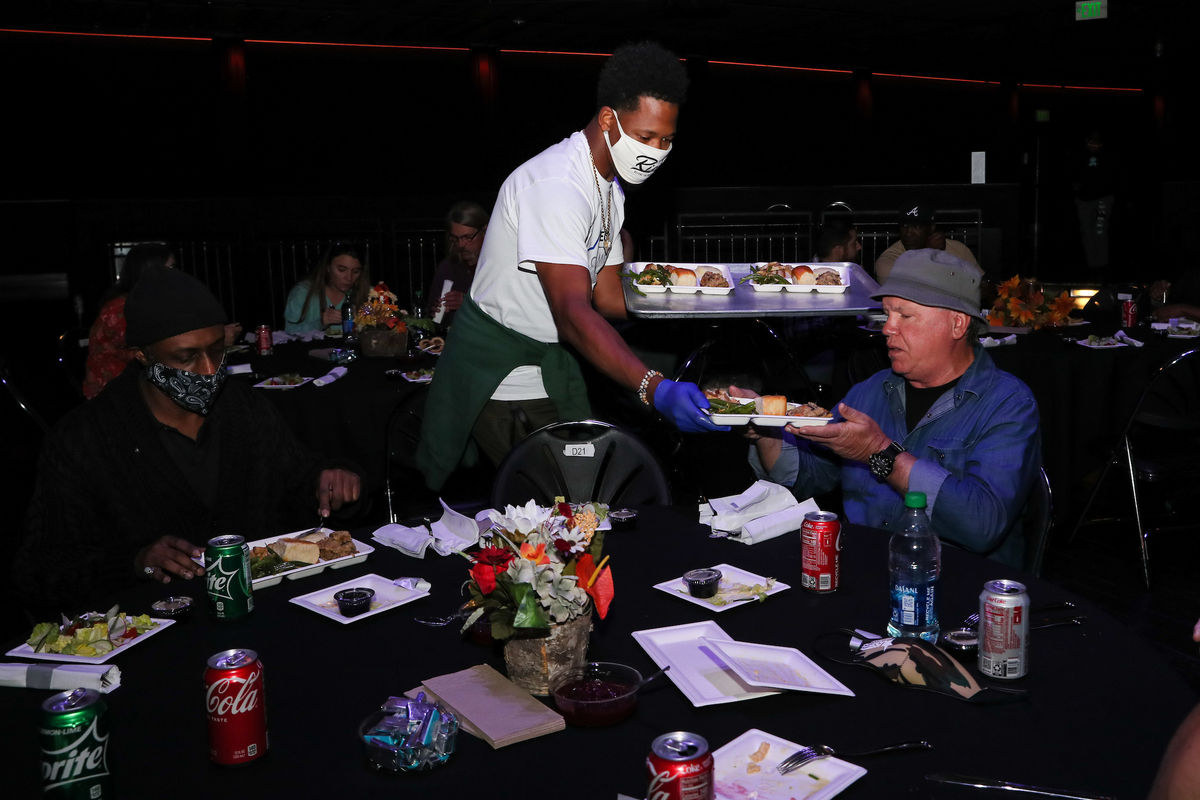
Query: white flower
[522,519]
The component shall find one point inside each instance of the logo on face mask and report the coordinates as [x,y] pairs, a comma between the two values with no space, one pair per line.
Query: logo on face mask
[635,161]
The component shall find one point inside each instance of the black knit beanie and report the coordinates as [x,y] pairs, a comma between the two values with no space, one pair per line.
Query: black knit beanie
[167,302]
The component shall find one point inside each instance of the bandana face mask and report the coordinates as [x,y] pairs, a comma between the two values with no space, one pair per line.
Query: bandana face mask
[635,161]
[189,390]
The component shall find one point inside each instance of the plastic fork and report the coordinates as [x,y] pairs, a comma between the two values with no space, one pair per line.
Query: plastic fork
[807,754]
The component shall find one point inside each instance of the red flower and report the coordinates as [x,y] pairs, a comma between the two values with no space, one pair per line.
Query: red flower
[495,556]
[562,546]
[489,562]
[485,577]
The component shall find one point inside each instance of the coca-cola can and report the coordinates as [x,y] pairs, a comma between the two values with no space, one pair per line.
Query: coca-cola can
[1129,314]
[1004,630]
[262,338]
[237,707]
[680,767]
[820,551]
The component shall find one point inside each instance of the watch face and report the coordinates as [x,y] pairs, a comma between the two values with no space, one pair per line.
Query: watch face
[881,463]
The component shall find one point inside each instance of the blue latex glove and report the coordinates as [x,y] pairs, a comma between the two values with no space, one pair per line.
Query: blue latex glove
[684,404]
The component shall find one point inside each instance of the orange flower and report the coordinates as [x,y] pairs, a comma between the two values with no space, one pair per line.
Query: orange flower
[535,554]
[1007,288]
[1064,304]
[1019,312]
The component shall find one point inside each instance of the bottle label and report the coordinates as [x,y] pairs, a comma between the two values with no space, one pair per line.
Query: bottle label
[914,606]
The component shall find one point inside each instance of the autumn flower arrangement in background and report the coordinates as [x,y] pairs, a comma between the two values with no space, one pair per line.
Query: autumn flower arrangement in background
[381,311]
[543,568]
[1023,304]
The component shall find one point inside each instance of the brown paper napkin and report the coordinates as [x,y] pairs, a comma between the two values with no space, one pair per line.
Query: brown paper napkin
[491,706]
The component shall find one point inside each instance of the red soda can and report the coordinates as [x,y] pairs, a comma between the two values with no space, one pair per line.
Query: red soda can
[820,549]
[681,768]
[262,338]
[237,707]
[1129,312]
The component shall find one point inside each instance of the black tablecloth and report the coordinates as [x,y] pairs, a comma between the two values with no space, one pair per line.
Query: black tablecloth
[1100,711]
[348,418]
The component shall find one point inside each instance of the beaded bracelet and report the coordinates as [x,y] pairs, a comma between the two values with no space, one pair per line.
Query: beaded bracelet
[645,385]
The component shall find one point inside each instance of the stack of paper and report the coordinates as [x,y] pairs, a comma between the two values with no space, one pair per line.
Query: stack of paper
[491,706]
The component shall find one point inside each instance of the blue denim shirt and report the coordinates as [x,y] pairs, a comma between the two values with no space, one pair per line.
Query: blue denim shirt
[978,451]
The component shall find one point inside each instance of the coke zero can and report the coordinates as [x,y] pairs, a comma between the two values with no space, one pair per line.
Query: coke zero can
[681,768]
[1004,630]
[262,338]
[237,707]
[820,549]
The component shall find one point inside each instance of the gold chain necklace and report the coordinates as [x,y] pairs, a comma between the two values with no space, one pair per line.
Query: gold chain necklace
[606,227]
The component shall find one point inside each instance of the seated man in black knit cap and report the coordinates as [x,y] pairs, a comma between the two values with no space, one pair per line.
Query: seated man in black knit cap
[132,484]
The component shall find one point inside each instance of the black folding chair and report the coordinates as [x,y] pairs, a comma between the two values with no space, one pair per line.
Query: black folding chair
[1037,521]
[1165,425]
[72,357]
[581,462]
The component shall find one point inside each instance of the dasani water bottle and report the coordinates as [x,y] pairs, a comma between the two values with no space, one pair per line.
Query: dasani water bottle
[914,565]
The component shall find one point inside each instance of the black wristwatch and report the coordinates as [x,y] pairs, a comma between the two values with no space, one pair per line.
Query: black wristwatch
[884,461]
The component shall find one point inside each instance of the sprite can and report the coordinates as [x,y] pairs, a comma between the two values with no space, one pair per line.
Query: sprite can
[227,570]
[74,736]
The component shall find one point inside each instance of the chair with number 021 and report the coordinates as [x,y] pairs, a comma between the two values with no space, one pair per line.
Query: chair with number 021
[1157,449]
[587,461]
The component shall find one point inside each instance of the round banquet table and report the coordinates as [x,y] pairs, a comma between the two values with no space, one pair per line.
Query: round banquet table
[1100,709]
[346,419]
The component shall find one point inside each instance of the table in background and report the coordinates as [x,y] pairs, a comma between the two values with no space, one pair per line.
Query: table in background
[1102,706]
[348,418]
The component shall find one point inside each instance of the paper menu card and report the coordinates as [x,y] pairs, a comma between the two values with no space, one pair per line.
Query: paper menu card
[491,706]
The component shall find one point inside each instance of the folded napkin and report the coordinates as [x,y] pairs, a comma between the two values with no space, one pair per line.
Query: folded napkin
[1121,336]
[330,377]
[989,341]
[60,677]
[410,541]
[490,706]
[729,514]
[776,524]
[452,533]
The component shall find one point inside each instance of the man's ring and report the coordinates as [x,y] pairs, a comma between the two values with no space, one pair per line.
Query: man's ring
[149,570]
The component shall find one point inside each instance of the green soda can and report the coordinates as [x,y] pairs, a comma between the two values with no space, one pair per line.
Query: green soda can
[74,736]
[227,568]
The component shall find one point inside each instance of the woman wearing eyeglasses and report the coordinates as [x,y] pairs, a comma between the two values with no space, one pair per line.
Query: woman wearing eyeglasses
[466,223]
[316,302]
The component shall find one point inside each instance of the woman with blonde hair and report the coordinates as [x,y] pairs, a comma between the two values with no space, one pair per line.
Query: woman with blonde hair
[316,302]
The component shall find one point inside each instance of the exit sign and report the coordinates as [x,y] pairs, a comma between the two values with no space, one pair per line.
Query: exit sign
[1091,9]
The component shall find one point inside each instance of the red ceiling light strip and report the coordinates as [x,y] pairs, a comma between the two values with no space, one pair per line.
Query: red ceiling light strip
[109,35]
[574,53]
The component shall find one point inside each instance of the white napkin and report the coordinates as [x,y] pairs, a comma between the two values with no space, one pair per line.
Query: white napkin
[988,341]
[60,677]
[330,377]
[447,285]
[410,541]
[1121,336]
[772,525]
[454,531]
[729,514]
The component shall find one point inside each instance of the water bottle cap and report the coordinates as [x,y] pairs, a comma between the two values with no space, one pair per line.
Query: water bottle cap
[914,500]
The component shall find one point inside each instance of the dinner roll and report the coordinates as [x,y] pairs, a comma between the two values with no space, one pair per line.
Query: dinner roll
[681,276]
[803,274]
[774,405]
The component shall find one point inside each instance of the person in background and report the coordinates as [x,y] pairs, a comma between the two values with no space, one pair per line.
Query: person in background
[549,274]
[1093,181]
[107,351]
[315,303]
[466,224]
[1178,775]
[838,241]
[942,420]
[917,231]
[133,483]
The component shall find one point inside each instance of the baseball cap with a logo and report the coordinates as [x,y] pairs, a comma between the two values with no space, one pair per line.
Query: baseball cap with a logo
[918,214]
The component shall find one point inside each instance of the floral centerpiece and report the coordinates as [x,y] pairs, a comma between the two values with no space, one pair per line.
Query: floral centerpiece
[380,311]
[544,569]
[1023,303]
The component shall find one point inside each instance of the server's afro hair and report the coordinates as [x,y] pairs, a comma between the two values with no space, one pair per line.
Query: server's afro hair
[645,69]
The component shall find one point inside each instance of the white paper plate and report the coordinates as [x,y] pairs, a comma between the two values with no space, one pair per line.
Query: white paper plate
[284,386]
[309,569]
[774,667]
[696,669]
[637,267]
[738,776]
[422,379]
[25,651]
[729,574]
[1106,345]
[843,272]
[387,596]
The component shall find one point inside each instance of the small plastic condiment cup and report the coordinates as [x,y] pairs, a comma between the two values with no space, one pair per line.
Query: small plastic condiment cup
[623,519]
[352,602]
[702,583]
[176,608]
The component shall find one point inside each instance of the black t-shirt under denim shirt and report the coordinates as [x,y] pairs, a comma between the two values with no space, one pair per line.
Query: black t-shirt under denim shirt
[917,402]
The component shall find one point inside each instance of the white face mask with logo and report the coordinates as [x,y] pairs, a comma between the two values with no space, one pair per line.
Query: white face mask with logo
[635,161]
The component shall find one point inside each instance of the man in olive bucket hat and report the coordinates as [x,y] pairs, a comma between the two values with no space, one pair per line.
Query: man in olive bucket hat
[942,420]
[133,483]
